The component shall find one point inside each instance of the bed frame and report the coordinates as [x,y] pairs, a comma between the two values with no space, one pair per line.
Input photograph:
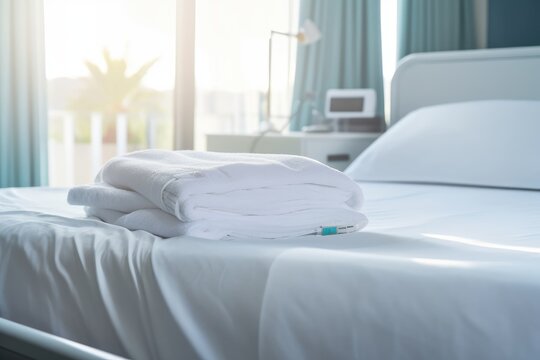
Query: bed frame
[420,80]
[453,76]
[20,342]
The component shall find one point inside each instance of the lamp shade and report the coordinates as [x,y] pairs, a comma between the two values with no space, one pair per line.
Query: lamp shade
[309,33]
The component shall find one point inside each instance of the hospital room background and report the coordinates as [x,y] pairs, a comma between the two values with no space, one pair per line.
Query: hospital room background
[395,117]
[83,81]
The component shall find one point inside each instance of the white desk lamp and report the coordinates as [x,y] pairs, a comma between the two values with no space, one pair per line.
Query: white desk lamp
[308,34]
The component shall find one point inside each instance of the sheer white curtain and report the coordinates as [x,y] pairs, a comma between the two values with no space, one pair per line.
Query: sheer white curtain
[389,47]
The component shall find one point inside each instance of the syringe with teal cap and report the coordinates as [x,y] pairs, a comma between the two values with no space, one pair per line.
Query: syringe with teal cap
[337,229]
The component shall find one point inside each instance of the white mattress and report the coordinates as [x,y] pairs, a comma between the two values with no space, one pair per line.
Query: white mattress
[440,272]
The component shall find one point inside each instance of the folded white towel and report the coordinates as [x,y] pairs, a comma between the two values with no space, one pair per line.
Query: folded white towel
[160,223]
[108,197]
[215,195]
[185,183]
[259,201]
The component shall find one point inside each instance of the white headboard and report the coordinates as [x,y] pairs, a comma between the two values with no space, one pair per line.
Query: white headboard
[443,77]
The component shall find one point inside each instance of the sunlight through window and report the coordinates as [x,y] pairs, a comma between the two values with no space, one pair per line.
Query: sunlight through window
[110,72]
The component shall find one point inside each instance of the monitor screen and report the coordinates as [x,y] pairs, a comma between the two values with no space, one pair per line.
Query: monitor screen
[347,104]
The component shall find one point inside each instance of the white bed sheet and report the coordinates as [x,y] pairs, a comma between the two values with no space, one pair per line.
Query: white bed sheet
[440,272]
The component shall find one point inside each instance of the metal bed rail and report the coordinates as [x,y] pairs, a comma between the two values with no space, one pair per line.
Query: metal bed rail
[22,342]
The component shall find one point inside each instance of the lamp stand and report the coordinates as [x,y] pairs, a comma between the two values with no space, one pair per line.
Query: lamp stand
[308,34]
[268,126]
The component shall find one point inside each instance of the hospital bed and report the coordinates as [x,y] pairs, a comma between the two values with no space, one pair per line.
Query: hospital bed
[443,270]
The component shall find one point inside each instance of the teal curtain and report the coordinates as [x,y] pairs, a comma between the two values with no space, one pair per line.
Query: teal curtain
[348,55]
[435,25]
[23,113]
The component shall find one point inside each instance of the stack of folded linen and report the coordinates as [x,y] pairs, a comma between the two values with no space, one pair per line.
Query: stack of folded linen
[219,195]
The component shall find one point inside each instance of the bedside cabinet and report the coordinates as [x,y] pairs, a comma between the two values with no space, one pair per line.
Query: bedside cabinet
[337,150]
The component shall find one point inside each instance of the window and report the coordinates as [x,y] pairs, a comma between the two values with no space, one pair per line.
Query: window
[231,60]
[110,72]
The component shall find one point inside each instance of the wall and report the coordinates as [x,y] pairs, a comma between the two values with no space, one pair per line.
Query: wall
[513,23]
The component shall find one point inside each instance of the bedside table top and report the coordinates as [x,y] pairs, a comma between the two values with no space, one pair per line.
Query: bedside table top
[299,135]
[336,149]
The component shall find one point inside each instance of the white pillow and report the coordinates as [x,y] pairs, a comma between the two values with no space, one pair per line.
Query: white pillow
[485,143]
